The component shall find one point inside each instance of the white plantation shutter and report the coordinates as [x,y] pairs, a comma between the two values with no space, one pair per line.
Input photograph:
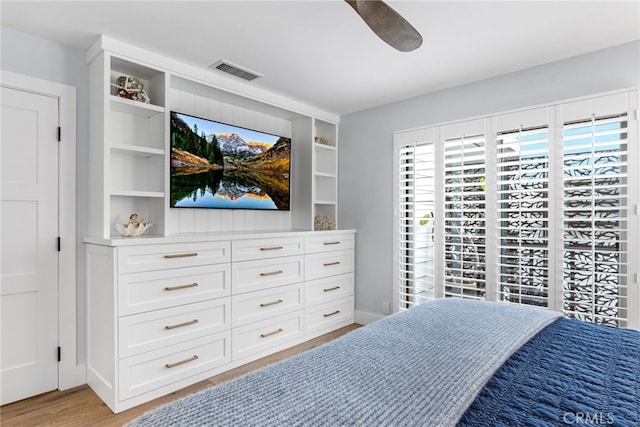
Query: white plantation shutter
[595,189]
[415,223]
[536,207]
[464,217]
[523,215]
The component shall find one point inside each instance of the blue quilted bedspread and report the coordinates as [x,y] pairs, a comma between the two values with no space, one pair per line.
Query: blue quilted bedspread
[571,373]
[449,361]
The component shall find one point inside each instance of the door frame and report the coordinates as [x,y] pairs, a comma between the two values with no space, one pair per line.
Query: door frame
[71,371]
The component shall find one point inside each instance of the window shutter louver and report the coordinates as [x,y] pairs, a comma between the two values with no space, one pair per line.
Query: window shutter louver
[464,217]
[595,189]
[523,215]
[416,209]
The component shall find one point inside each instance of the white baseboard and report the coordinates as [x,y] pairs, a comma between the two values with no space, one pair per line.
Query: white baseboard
[364,317]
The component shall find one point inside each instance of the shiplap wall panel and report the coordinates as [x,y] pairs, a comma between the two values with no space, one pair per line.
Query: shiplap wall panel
[186,220]
[174,98]
[187,103]
[200,219]
[201,106]
[250,220]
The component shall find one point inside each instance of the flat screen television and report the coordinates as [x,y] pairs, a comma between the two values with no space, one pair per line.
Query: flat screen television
[220,166]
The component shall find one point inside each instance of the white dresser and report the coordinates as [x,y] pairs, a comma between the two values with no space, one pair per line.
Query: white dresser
[164,313]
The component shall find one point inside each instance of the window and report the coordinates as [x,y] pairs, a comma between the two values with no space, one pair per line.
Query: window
[464,217]
[523,215]
[534,207]
[416,207]
[595,216]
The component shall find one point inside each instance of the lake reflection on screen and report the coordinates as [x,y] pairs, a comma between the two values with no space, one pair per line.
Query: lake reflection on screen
[230,190]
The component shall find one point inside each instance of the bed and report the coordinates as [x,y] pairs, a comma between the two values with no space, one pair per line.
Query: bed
[443,363]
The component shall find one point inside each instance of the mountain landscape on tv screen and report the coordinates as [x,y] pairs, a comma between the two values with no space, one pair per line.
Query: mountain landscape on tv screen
[227,169]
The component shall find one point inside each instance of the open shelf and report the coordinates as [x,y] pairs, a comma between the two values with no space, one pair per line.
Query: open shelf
[325,209]
[324,147]
[147,205]
[325,188]
[325,131]
[137,173]
[137,150]
[136,108]
[152,80]
[137,131]
[325,170]
[137,193]
[325,175]
[325,162]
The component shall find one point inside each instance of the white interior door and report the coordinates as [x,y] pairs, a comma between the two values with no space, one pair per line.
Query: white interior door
[29,250]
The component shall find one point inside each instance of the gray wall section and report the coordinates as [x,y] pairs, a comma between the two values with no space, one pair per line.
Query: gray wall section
[33,56]
[366,145]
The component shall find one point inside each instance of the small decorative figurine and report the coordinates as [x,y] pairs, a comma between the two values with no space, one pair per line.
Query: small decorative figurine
[134,227]
[322,140]
[322,222]
[131,88]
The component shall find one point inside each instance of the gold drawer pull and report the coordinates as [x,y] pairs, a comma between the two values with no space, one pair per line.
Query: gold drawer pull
[332,289]
[182,362]
[267,304]
[332,314]
[331,243]
[181,255]
[327,264]
[179,325]
[173,288]
[272,248]
[268,334]
[272,273]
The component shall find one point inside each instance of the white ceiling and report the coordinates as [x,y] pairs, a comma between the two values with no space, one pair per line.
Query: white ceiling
[322,53]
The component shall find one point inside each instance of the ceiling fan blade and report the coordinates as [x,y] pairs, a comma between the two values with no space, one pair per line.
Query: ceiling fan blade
[387,24]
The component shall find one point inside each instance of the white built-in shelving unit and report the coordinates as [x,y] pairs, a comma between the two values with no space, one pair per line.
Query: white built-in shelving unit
[194,296]
[130,147]
[325,169]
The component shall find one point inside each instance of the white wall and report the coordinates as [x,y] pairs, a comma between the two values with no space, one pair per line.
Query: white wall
[37,57]
[366,145]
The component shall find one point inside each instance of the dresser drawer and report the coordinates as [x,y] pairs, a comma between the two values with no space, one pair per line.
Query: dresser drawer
[156,257]
[333,242]
[260,305]
[161,328]
[328,264]
[245,250]
[328,289]
[329,316]
[148,371]
[140,292]
[262,274]
[255,338]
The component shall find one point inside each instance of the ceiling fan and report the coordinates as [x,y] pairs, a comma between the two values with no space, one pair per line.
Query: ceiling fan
[387,24]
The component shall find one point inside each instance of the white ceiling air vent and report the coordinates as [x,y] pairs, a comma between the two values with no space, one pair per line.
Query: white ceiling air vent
[234,70]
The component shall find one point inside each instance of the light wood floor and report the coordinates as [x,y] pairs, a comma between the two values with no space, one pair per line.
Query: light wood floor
[80,406]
